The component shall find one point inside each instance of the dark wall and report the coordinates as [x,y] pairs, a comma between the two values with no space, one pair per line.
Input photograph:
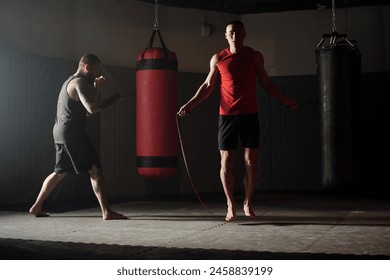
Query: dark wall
[374,143]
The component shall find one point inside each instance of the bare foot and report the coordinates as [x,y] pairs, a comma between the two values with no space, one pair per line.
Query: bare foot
[249,211]
[38,213]
[111,215]
[231,214]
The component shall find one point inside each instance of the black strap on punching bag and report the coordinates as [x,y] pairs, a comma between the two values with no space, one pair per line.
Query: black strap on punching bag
[155,63]
[151,41]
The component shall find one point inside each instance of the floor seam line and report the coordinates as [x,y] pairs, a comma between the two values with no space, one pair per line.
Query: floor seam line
[193,234]
[323,235]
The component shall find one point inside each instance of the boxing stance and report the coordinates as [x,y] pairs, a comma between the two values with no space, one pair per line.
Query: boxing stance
[80,95]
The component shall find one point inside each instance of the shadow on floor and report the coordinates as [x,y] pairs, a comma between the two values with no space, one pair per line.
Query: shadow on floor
[16,249]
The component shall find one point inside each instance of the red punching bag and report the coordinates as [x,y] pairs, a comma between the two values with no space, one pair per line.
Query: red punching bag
[156,105]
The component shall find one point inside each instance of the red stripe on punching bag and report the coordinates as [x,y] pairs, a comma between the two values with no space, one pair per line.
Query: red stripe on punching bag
[156,106]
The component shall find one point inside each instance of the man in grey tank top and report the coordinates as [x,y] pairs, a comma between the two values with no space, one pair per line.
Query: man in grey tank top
[80,95]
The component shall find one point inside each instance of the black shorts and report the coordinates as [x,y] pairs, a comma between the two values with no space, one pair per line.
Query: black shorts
[76,158]
[245,127]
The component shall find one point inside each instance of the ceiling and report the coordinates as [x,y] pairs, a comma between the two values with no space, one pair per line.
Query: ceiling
[241,7]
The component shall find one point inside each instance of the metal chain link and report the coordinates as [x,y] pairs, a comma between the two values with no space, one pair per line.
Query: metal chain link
[156,16]
[333,16]
[346,17]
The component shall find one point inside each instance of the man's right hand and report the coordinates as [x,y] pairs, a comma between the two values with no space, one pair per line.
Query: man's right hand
[183,111]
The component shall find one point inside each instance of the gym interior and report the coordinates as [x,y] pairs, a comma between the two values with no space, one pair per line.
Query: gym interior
[303,211]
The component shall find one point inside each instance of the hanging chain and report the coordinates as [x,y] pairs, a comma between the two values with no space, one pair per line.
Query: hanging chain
[156,16]
[346,16]
[333,16]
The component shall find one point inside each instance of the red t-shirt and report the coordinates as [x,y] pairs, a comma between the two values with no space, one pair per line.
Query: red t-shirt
[238,82]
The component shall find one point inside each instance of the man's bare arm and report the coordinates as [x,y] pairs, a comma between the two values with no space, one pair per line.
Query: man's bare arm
[204,90]
[90,99]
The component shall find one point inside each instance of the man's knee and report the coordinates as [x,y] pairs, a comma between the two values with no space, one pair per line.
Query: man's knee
[227,159]
[251,158]
[251,163]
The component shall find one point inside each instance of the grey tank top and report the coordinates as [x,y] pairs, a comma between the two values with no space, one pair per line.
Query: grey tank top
[70,121]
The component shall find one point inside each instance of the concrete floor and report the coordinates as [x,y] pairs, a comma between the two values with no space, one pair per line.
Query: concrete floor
[288,226]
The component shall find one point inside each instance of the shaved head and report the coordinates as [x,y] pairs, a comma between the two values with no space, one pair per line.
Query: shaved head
[90,59]
[236,23]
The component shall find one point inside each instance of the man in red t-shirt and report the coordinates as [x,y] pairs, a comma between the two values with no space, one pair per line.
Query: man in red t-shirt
[238,67]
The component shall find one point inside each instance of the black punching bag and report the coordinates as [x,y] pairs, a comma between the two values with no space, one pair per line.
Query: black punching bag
[339,75]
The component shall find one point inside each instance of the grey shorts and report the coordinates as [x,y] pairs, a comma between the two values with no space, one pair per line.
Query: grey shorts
[234,127]
[76,158]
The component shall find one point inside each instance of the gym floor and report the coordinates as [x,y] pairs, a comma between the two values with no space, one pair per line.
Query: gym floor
[301,226]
